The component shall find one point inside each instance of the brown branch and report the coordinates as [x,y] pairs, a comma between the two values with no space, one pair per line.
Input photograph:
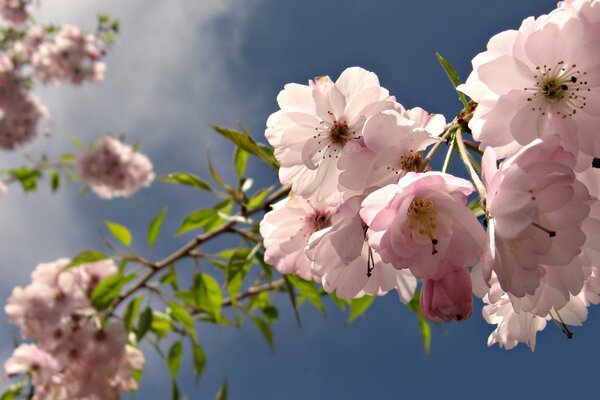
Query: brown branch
[188,248]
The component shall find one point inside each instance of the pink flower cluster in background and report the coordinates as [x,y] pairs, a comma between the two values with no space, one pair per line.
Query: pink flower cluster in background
[113,169]
[367,215]
[75,354]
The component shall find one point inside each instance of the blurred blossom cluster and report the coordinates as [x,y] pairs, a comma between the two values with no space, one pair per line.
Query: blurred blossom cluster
[76,355]
[112,168]
[367,214]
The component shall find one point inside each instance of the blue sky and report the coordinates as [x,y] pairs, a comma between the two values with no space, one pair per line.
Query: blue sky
[180,65]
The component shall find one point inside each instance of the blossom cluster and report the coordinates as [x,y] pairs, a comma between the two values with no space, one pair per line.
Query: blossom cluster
[75,355]
[112,168]
[367,214]
[52,55]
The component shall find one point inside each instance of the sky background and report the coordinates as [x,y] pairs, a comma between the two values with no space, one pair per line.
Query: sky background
[179,65]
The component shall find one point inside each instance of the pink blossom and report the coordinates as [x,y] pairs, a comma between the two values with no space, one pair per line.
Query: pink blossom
[113,169]
[286,230]
[317,122]
[15,11]
[343,261]
[538,81]
[536,209]
[422,224]
[392,145]
[72,56]
[449,297]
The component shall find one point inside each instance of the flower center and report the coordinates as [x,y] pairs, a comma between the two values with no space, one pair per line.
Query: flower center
[422,221]
[562,87]
[320,220]
[332,136]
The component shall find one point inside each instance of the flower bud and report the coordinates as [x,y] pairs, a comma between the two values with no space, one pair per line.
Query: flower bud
[449,297]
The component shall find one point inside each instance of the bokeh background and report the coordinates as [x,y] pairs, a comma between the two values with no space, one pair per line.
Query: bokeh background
[179,65]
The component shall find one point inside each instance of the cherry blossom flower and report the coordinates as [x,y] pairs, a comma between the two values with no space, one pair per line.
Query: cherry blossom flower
[392,145]
[15,11]
[536,208]
[286,230]
[317,122]
[72,56]
[422,224]
[342,259]
[539,81]
[449,297]
[113,169]
[75,356]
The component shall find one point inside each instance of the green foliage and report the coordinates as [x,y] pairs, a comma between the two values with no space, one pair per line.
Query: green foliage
[174,358]
[207,219]
[109,289]
[453,76]
[119,232]
[186,179]
[240,160]
[183,316]
[86,257]
[307,290]
[264,328]
[13,391]
[145,322]
[209,296]
[155,226]
[131,313]
[199,358]
[222,393]
[424,328]
[359,306]
[27,177]
[247,142]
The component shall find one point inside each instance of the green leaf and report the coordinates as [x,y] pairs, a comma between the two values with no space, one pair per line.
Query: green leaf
[359,306]
[174,358]
[198,219]
[247,142]
[222,393]
[13,391]
[109,289]
[199,357]
[209,296]
[187,179]
[161,323]
[174,390]
[182,315]
[145,322]
[292,294]
[240,161]
[308,291]
[131,312]
[475,206]
[155,225]
[453,76]
[54,180]
[27,177]
[170,278]
[424,328]
[258,197]
[77,143]
[265,329]
[120,232]
[86,257]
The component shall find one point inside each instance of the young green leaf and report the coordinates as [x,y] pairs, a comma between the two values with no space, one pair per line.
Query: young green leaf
[54,180]
[13,392]
[424,328]
[292,294]
[359,306]
[86,257]
[144,323]
[199,357]
[222,393]
[108,290]
[247,142]
[182,315]
[155,225]
[120,232]
[187,179]
[198,219]
[240,160]
[307,290]
[174,358]
[265,329]
[209,296]
[453,76]
[131,313]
